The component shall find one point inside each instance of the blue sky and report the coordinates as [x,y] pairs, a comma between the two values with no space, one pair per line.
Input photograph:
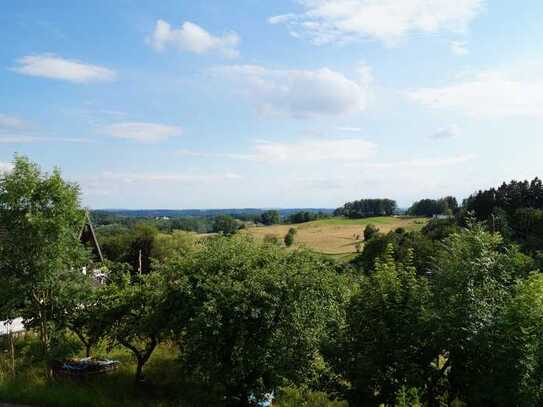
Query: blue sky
[284,103]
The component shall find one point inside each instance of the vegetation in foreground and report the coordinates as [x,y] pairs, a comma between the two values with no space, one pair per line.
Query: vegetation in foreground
[448,315]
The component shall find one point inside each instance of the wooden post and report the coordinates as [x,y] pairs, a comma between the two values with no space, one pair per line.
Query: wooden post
[12,352]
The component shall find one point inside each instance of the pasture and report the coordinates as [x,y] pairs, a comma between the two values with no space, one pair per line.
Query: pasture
[336,236]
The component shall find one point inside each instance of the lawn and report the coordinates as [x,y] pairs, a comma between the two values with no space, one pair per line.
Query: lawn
[167,386]
[336,236]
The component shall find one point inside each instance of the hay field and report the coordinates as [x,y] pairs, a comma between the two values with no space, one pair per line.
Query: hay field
[335,236]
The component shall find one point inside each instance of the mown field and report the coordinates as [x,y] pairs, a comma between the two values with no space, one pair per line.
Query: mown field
[336,236]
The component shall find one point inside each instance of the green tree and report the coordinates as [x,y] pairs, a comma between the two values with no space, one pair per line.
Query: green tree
[40,252]
[271,217]
[78,310]
[141,246]
[178,243]
[370,231]
[135,314]
[257,317]
[472,281]
[225,224]
[289,237]
[518,348]
[384,345]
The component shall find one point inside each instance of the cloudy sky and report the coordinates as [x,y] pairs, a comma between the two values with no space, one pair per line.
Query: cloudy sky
[273,103]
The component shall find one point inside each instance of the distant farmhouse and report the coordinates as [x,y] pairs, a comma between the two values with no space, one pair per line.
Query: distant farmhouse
[87,237]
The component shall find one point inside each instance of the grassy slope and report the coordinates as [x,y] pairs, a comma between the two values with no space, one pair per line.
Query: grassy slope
[336,236]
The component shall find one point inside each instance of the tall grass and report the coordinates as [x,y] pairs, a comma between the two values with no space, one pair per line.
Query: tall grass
[167,386]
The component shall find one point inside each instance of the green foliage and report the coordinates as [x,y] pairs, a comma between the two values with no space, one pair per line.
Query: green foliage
[40,255]
[257,314]
[289,237]
[431,207]
[297,397]
[384,344]
[416,245]
[305,216]
[408,398]
[134,313]
[365,208]
[472,281]
[225,224]
[370,231]
[178,243]
[518,349]
[271,217]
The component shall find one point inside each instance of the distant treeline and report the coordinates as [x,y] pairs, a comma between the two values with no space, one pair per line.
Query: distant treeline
[205,221]
[365,208]
[431,207]
[239,213]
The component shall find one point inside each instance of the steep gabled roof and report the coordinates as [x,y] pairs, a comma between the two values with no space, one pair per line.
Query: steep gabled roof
[88,237]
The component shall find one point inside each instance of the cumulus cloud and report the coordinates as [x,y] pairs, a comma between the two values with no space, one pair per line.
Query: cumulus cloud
[55,67]
[300,93]
[459,48]
[191,37]
[301,151]
[142,132]
[486,94]
[326,21]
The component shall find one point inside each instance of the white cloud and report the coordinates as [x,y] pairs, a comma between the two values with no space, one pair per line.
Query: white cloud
[420,163]
[191,37]
[302,151]
[14,130]
[315,150]
[300,93]
[142,132]
[170,177]
[350,129]
[27,139]
[5,167]
[326,21]
[445,133]
[12,123]
[55,67]
[486,94]
[459,48]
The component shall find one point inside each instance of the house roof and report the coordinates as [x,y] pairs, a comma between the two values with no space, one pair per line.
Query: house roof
[87,236]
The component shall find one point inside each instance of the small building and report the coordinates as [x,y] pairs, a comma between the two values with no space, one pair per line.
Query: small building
[15,327]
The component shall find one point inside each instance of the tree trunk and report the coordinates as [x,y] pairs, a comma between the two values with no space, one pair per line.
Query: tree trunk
[139,370]
[142,356]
